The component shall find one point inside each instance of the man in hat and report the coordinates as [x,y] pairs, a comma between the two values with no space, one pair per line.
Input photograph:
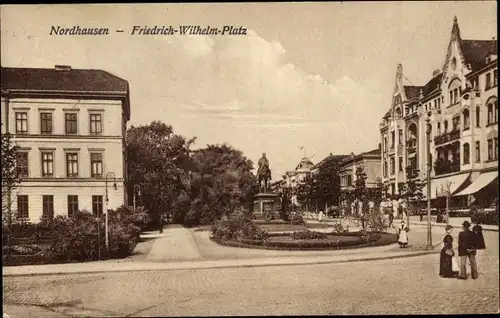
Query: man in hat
[466,249]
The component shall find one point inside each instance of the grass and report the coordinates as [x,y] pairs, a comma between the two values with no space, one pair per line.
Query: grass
[291,227]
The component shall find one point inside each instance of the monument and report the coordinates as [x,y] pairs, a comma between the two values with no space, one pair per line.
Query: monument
[265,204]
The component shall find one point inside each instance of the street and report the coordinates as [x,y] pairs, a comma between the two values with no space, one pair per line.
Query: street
[392,286]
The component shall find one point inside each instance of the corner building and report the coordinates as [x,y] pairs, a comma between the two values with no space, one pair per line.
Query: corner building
[460,103]
[70,125]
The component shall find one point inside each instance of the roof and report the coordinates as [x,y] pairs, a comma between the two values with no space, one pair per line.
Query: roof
[65,80]
[432,85]
[412,92]
[476,51]
[305,163]
[374,152]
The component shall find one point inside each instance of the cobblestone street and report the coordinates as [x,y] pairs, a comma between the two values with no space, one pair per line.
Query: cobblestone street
[398,286]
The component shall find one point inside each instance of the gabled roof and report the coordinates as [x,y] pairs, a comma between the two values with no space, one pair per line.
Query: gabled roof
[432,85]
[64,80]
[412,92]
[476,51]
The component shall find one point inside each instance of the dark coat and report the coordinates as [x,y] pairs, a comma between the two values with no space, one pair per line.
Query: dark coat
[465,242]
[478,237]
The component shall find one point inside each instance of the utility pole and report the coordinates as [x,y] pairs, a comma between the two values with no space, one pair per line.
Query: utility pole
[429,169]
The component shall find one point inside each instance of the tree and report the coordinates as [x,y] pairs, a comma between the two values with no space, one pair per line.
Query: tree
[159,161]
[10,175]
[286,204]
[411,193]
[222,182]
[360,192]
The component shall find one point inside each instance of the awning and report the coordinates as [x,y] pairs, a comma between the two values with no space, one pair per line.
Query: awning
[440,186]
[480,182]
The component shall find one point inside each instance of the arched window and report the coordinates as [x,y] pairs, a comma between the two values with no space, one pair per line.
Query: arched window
[478,116]
[490,113]
[454,89]
[466,119]
[466,154]
[492,107]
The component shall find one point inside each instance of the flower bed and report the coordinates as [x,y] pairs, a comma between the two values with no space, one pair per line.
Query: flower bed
[332,241]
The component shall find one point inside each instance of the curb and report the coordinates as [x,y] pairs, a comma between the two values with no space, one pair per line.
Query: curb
[312,262]
[444,225]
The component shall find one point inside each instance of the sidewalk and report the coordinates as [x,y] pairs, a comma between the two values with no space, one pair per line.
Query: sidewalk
[117,266]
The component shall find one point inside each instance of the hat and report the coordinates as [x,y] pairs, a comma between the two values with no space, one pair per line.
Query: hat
[448,227]
[466,224]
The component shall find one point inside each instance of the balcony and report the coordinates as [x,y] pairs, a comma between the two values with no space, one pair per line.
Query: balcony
[444,166]
[446,137]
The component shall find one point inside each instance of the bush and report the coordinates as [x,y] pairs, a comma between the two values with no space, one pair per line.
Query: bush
[297,219]
[238,226]
[338,228]
[488,217]
[308,235]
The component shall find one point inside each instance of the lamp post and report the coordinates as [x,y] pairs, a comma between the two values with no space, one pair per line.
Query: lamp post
[429,169]
[107,200]
[138,192]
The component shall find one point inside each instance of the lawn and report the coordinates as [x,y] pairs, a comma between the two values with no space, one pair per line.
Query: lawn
[291,227]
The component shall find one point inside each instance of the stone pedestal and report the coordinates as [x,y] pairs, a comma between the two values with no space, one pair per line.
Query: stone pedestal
[265,206]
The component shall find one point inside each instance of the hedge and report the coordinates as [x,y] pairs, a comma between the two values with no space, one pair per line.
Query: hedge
[305,245]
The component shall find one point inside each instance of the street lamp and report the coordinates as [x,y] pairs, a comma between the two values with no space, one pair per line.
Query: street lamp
[107,200]
[429,169]
[138,192]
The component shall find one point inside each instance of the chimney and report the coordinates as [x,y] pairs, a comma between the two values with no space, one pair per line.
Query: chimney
[63,68]
[436,73]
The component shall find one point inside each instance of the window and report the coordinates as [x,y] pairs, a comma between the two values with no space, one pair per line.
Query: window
[47,164]
[385,144]
[478,117]
[21,123]
[46,123]
[393,166]
[438,129]
[456,123]
[393,137]
[96,165]
[97,205]
[478,152]
[72,205]
[490,149]
[400,163]
[400,137]
[22,207]
[492,112]
[488,81]
[385,168]
[466,154]
[95,124]
[48,206]
[349,180]
[22,164]
[71,123]
[72,164]
[495,74]
[445,126]
[495,145]
[466,119]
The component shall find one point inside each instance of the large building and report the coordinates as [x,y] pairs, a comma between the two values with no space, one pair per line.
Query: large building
[460,103]
[70,125]
[370,163]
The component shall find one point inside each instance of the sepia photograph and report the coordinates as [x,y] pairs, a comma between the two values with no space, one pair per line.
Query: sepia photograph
[249,159]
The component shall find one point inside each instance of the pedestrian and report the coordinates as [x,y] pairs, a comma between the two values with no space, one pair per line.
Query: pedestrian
[477,229]
[466,250]
[448,266]
[391,218]
[421,215]
[161,222]
[403,235]
[320,216]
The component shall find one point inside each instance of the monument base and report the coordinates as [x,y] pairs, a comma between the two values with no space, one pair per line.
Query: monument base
[265,206]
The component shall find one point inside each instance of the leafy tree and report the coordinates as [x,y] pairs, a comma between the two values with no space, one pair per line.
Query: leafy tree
[360,192]
[286,204]
[411,193]
[159,161]
[10,175]
[222,182]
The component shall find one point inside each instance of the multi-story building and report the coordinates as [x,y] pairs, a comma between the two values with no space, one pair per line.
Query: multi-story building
[70,125]
[459,102]
[294,177]
[370,162]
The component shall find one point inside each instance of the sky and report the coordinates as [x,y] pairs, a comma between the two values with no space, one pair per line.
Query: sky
[319,75]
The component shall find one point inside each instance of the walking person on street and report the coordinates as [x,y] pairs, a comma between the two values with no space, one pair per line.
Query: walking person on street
[161,222]
[477,229]
[448,267]
[391,218]
[466,250]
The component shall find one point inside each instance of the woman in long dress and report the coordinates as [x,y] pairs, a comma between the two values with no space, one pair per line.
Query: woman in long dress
[447,254]
[403,235]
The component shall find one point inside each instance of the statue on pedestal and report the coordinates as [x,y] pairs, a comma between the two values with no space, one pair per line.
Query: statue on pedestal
[263,173]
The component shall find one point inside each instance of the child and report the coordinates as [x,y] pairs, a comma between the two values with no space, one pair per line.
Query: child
[403,235]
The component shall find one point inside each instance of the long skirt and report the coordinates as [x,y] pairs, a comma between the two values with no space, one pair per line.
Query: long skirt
[445,265]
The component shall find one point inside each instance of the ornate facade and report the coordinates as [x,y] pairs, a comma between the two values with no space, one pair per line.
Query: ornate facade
[459,102]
